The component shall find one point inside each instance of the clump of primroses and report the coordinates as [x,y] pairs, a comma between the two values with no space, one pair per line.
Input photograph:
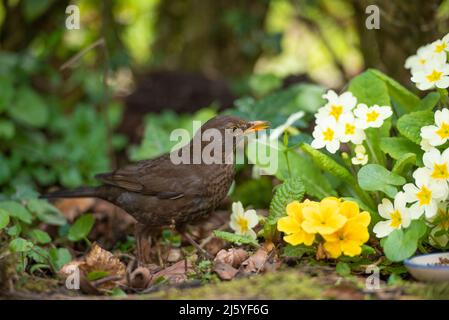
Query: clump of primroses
[338,224]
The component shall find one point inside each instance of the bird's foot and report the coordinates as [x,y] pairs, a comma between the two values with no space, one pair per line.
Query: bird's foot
[198,248]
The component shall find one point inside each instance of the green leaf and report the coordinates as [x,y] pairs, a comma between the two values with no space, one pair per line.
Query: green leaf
[402,244]
[14,231]
[373,177]
[5,171]
[46,212]
[59,257]
[39,236]
[235,238]
[16,210]
[38,254]
[32,9]
[398,93]
[429,101]
[292,189]
[410,125]
[404,163]
[81,228]
[296,251]
[368,88]
[343,269]
[328,164]
[29,108]
[7,129]
[96,274]
[4,219]
[20,245]
[397,147]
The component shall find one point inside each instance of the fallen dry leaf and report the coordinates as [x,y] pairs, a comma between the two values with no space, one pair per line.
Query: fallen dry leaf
[224,270]
[255,262]
[101,261]
[176,273]
[174,255]
[72,208]
[233,257]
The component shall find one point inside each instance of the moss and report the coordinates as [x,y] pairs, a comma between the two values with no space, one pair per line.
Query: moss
[279,285]
[435,291]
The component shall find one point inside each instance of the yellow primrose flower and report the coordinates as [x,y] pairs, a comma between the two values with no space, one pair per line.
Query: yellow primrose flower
[350,238]
[291,224]
[323,218]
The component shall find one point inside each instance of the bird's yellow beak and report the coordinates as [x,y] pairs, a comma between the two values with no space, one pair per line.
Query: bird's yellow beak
[255,126]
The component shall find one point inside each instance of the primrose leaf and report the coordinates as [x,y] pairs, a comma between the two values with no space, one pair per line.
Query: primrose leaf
[404,163]
[7,129]
[397,147]
[399,94]
[81,228]
[292,189]
[20,245]
[429,101]
[46,212]
[370,89]
[402,244]
[16,210]
[59,257]
[235,238]
[296,251]
[328,164]
[40,236]
[409,125]
[343,269]
[374,177]
[29,108]
[97,274]
[4,219]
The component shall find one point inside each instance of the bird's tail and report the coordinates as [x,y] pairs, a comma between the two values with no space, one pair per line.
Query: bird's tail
[81,192]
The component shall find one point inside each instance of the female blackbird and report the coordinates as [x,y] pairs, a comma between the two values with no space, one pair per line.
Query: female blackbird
[162,192]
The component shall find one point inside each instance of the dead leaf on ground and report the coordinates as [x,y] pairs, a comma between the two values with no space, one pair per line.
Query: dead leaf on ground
[265,259]
[224,270]
[233,257]
[72,208]
[104,269]
[174,255]
[174,274]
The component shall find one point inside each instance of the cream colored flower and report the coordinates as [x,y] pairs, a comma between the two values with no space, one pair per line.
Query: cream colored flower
[371,117]
[361,158]
[348,131]
[438,164]
[438,134]
[425,194]
[434,74]
[440,46]
[422,56]
[243,222]
[397,216]
[326,135]
[336,106]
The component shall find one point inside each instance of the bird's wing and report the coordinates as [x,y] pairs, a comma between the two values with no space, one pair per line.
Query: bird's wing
[157,177]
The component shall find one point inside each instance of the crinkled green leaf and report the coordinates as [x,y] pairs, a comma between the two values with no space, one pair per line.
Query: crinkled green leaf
[296,251]
[292,189]
[20,245]
[39,236]
[398,93]
[370,89]
[409,125]
[81,228]
[402,244]
[16,210]
[343,269]
[404,163]
[235,238]
[373,177]
[328,164]
[29,108]
[397,147]
[4,219]
[429,101]
[59,257]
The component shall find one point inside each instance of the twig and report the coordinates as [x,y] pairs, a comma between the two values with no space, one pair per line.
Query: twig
[69,63]
[98,282]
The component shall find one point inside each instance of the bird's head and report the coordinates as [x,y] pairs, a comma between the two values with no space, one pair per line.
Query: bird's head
[234,124]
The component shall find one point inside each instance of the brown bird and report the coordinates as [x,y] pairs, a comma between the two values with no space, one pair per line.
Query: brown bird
[161,193]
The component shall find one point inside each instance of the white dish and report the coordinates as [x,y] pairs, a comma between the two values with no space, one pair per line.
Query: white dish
[425,267]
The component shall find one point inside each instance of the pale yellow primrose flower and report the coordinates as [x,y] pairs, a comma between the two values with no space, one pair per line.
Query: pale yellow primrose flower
[371,117]
[437,134]
[326,135]
[336,106]
[425,194]
[243,222]
[397,216]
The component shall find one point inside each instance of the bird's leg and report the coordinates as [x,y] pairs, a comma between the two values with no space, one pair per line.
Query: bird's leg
[198,248]
[143,242]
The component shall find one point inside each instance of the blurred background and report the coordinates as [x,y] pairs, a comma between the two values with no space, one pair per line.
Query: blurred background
[72,104]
